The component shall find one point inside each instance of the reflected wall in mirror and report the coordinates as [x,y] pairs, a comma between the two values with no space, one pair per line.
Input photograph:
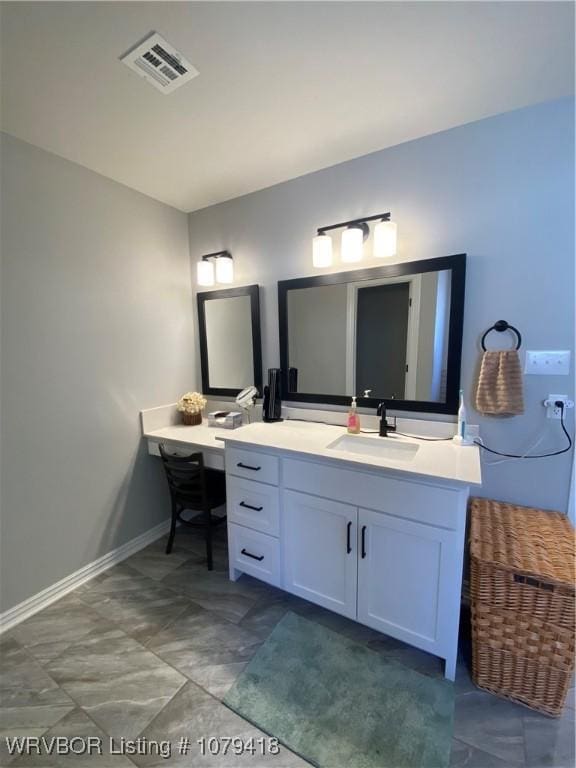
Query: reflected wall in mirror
[230,348]
[395,330]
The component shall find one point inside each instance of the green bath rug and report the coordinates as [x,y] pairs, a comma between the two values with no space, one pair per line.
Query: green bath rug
[340,705]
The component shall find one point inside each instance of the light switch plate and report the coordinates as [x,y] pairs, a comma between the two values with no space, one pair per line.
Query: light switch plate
[546,362]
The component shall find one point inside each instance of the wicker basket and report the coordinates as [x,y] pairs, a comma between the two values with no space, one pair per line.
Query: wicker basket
[522,599]
[191,419]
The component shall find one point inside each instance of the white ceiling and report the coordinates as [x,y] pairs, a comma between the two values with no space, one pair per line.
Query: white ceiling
[284,88]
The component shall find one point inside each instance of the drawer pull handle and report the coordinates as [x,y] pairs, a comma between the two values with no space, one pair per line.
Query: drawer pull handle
[348,545]
[249,506]
[363,541]
[254,557]
[247,466]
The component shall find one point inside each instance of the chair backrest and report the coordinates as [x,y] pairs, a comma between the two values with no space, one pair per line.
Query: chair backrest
[186,478]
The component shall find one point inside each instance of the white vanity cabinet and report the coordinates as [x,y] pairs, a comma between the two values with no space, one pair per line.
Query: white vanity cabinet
[364,529]
[252,504]
[408,579]
[374,545]
[319,551]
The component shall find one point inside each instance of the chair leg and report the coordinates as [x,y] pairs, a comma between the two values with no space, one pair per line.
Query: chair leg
[172,528]
[208,513]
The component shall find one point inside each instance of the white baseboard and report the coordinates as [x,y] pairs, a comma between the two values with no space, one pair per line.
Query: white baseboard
[41,600]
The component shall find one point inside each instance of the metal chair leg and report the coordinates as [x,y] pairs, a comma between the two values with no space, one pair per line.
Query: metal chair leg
[172,527]
[208,514]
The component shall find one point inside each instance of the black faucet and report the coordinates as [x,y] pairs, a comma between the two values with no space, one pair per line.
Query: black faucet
[384,426]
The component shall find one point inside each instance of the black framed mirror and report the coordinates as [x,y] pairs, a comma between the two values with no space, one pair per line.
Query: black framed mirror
[230,346]
[394,331]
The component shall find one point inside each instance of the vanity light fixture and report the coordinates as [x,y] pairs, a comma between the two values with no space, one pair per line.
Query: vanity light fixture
[354,234]
[322,251]
[352,245]
[385,238]
[223,273]
[205,272]
[224,268]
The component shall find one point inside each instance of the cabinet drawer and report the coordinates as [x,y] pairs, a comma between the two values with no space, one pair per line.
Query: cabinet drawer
[254,553]
[430,504]
[252,465]
[254,505]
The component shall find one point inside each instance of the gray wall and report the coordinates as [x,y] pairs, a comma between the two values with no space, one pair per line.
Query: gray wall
[317,338]
[96,325]
[500,189]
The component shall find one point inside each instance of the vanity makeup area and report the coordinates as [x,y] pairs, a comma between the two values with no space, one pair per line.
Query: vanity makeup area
[370,527]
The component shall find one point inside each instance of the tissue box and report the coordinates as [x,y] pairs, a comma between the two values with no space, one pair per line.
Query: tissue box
[225,419]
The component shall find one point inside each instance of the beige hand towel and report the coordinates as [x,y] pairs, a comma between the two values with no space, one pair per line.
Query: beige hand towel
[499,391]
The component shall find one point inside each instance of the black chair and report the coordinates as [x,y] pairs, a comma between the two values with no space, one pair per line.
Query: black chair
[197,488]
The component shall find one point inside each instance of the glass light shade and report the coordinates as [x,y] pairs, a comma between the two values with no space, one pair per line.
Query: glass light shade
[352,244]
[224,270]
[205,273]
[322,251]
[385,236]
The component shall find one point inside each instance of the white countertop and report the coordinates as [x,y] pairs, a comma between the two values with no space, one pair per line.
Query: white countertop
[442,459]
[201,435]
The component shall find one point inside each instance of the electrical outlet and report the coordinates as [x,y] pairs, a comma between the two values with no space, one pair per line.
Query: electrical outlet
[553,411]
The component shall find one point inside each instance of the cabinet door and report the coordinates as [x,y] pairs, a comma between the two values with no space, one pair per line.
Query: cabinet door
[319,551]
[407,579]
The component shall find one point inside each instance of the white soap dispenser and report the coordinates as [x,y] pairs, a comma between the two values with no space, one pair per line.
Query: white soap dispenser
[461,436]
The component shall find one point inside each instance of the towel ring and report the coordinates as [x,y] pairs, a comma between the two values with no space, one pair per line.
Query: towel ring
[500,326]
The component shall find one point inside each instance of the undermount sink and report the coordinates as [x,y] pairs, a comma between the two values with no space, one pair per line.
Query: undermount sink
[379,448]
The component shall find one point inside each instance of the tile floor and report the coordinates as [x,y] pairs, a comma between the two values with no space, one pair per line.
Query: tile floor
[149,648]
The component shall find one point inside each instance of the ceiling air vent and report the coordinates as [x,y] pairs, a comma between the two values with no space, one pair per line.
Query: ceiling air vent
[160,63]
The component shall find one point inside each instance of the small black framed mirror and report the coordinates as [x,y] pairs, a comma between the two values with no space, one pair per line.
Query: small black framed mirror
[390,333]
[230,346]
